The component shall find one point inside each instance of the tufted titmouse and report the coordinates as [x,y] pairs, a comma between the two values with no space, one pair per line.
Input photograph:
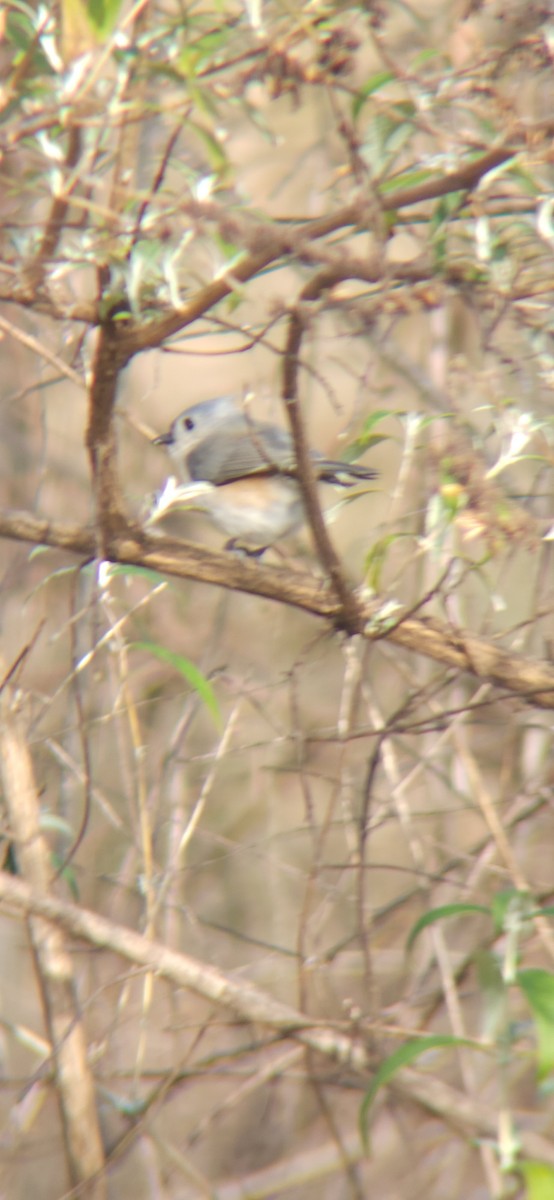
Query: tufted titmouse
[254,495]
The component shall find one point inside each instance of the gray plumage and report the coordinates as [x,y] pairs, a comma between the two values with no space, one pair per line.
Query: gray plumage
[249,465]
[216,442]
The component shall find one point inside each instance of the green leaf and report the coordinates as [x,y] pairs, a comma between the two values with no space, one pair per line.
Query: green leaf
[432,418]
[51,823]
[189,671]
[494,994]
[21,32]
[217,156]
[200,54]
[538,988]
[228,250]
[68,875]
[376,417]
[360,444]
[368,89]
[396,128]
[439,226]
[103,15]
[129,1106]
[129,571]
[539,1180]
[510,906]
[523,177]
[367,438]
[407,179]
[144,271]
[376,558]
[402,1057]
[438,914]
[424,56]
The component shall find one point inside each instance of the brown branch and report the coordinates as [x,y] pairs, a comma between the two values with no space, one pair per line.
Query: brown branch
[100,435]
[134,338]
[253,1005]
[465,1112]
[529,679]
[32,343]
[265,245]
[157,180]
[35,270]
[82,313]
[241,998]
[74,1083]
[274,243]
[306,474]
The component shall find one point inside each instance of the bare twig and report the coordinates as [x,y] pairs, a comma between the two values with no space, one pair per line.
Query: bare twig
[32,343]
[75,1087]
[529,679]
[239,997]
[471,1116]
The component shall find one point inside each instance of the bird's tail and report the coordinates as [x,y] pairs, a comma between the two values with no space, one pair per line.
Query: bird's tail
[344,474]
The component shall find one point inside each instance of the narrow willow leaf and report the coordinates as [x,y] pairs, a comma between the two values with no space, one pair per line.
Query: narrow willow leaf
[368,89]
[189,671]
[438,914]
[402,1057]
[103,15]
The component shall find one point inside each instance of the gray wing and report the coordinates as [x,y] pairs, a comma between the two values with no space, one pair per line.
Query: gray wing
[237,449]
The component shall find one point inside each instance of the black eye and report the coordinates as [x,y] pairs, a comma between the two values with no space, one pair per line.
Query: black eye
[188,423]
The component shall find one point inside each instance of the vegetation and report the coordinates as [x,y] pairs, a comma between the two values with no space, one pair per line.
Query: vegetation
[277,832]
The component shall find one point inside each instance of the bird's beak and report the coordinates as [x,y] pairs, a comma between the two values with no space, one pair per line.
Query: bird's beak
[165,439]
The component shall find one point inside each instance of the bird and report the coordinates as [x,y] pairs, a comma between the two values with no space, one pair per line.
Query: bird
[249,467]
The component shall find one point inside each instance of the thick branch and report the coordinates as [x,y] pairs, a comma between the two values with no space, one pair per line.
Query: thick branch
[242,998]
[265,244]
[100,437]
[529,679]
[252,1004]
[74,1083]
[306,475]
[275,243]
